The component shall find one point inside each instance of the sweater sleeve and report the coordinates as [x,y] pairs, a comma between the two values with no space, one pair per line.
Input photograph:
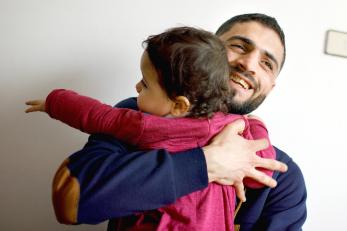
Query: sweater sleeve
[92,116]
[106,179]
[258,131]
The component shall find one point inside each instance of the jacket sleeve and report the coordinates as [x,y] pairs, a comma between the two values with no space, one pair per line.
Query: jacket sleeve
[107,179]
[91,116]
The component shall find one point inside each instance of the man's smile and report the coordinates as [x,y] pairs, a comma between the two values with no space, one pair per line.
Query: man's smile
[241,81]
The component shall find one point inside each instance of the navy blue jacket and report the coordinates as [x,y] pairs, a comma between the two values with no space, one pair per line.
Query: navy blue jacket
[114,180]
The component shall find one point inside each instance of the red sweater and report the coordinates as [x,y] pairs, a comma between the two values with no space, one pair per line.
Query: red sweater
[209,209]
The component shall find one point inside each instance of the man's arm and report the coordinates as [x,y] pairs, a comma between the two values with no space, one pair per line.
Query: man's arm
[106,179]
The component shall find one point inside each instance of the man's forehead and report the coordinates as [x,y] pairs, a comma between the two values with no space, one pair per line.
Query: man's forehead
[262,36]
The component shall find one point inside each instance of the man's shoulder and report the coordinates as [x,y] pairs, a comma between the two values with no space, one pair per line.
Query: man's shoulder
[293,167]
[282,156]
[293,178]
[130,103]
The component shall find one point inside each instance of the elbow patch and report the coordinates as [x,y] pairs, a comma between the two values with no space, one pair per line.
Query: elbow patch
[65,195]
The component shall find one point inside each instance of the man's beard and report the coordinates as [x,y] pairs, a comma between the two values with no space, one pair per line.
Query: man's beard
[249,105]
[246,107]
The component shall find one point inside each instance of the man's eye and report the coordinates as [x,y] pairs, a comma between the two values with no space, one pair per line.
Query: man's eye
[268,65]
[237,46]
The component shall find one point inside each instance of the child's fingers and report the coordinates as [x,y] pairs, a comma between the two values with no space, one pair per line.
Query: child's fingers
[31,109]
[35,105]
[33,102]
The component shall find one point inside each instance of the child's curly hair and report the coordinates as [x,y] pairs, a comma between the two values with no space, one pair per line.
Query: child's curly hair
[193,63]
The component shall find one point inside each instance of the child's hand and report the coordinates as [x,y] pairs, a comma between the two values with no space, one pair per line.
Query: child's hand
[36,105]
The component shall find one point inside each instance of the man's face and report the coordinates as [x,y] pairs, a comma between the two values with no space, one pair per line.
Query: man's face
[255,54]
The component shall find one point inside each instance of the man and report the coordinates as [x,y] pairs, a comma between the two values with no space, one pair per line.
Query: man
[108,179]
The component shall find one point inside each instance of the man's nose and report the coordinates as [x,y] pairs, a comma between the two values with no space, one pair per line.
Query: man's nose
[248,62]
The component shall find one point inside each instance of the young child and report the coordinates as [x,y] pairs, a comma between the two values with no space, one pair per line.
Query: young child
[183,101]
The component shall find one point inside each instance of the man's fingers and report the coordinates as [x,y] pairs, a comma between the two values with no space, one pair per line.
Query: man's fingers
[240,191]
[235,127]
[259,145]
[239,188]
[262,178]
[229,132]
[271,164]
[224,181]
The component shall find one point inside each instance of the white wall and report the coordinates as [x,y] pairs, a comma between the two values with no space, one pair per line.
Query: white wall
[94,47]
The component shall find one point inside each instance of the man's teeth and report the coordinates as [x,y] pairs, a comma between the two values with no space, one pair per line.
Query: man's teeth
[240,81]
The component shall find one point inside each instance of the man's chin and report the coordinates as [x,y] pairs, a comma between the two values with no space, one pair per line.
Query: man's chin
[242,107]
[237,108]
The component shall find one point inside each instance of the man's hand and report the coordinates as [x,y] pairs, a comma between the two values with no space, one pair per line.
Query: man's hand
[36,105]
[230,158]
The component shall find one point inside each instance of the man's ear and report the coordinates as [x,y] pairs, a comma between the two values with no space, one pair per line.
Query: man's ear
[180,106]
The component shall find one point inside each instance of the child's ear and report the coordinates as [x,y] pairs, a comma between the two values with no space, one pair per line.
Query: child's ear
[180,106]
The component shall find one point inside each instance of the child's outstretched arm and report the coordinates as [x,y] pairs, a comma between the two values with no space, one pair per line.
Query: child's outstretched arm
[36,105]
[90,115]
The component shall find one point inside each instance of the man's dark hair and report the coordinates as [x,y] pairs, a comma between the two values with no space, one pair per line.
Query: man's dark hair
[263,19]
[193,63]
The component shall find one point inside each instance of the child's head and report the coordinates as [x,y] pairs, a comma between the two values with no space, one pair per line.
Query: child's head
[185,73]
